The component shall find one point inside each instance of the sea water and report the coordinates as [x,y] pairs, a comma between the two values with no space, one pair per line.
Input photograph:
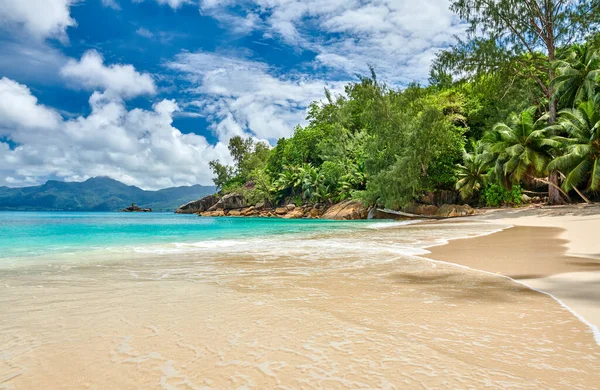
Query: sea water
[30,234]
[114,300]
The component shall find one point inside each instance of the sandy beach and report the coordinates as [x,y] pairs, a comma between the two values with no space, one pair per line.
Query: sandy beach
[362,309]
[552,249]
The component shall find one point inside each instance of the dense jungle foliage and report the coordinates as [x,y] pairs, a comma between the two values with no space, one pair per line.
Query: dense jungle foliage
[512,108]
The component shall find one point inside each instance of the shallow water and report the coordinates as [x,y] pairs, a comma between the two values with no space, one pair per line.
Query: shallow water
[327,306]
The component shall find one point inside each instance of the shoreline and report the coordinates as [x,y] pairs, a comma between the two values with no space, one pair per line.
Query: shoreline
[548,250]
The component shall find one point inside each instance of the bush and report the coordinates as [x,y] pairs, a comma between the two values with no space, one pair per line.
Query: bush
[495,195]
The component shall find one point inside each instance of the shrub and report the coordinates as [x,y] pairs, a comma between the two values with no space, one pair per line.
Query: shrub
[495,195]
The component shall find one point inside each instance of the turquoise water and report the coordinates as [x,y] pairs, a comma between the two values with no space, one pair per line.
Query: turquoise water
[30,234]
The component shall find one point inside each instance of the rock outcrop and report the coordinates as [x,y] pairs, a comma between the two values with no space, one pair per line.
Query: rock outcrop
[232,205]
[421,209]
[229,202]
[349,209]
[454,210]
[136,209]
[198,206]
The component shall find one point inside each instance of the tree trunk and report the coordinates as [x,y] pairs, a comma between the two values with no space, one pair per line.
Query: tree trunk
[554,197]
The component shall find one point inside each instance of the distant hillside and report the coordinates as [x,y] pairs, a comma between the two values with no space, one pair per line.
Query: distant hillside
[96,194]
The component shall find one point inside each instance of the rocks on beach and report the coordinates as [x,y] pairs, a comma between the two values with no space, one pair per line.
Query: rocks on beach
[234,205]
[198,206]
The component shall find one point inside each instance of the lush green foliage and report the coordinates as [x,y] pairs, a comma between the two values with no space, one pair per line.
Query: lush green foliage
[580,160]
[496,195]
[488,134]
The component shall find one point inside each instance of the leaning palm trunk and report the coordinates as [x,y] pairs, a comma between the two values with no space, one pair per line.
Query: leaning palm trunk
[585,199]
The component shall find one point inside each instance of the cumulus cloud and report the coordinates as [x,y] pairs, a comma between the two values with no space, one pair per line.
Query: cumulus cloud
[241,96]
[117,80]
[18,107]
[398,37]
[139,147]
[41,19]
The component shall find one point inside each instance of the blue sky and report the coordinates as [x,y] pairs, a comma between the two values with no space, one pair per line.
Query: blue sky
[149,91]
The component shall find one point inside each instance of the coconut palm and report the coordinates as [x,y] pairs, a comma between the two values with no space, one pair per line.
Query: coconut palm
[473,172]
[522,147]
[581,159]
[578,75]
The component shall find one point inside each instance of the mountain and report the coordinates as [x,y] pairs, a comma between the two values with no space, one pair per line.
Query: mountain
[96,194]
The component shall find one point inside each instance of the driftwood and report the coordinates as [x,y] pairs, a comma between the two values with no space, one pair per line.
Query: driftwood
[408,215]
[535,193]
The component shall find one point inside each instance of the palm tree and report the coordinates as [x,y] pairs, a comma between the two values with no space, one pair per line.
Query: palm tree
[581,159]
[578,75]
[473,172]
[522,147]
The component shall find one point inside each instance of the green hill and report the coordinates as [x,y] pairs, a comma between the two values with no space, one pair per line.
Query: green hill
[96,194]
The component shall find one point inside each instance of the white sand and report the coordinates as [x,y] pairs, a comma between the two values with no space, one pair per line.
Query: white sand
[578,290]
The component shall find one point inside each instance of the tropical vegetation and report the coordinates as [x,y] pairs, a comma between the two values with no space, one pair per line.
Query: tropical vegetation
[511,109]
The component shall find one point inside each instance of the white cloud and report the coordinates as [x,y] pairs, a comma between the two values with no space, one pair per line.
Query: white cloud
[31,61]
[398,37]
[18,107]
[41,19]
[175,4]
[138,147]
[144,32]
[117,80]
[111,4]
[241,96]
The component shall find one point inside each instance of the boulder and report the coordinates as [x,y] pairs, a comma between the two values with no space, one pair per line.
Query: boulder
[234,213]
[198,206]
[290,207]
[281,210]
[439,198]
[294,214]
[454,210]
[215,213]
[349,209]
[248,211]
[420,209]
[314,213]
[229,202]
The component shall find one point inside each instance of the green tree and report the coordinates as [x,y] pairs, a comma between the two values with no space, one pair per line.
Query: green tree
[520,37]
[581,160]
[473,173]
[222,173]
[522,147]
[239,149]
[578,75]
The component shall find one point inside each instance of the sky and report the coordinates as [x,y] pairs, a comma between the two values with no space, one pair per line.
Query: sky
[149,91]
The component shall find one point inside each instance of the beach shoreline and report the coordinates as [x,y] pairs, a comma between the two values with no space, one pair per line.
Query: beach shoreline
[551,250]
[356,308]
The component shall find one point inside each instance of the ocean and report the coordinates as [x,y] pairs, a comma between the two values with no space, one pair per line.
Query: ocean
[115,300]
[48,234]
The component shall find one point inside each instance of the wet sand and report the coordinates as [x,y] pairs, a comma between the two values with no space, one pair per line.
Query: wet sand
[521,252]
[330,312]
[552,249]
